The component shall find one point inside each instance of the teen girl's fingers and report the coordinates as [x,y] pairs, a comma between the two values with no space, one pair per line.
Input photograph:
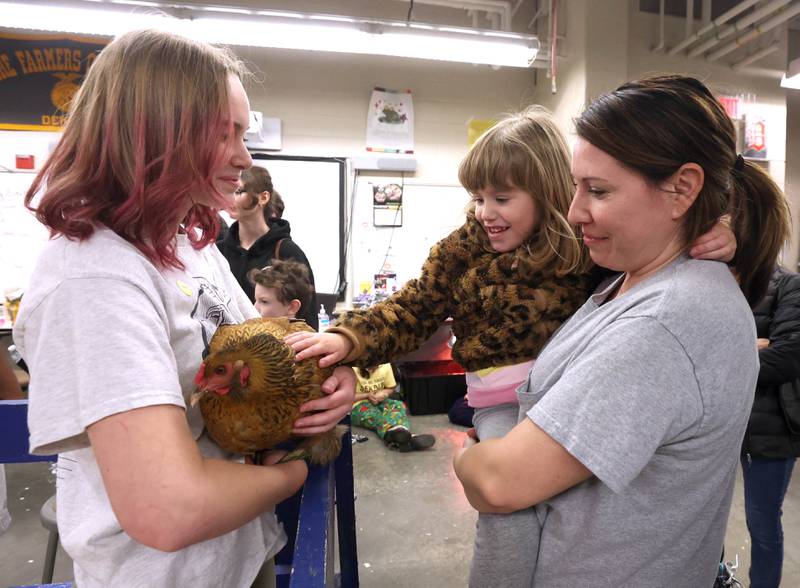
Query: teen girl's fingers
[340,389]
[271,457]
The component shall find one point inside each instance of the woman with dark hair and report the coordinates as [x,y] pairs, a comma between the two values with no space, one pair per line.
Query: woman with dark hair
[258,236]
[633,414]
[509,277]
[122,303]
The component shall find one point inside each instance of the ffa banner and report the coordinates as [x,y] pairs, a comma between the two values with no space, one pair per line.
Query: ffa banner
[39,75]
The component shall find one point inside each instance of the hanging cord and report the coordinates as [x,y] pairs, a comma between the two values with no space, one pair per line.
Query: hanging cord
[553,45]
[410,10]
[394,226]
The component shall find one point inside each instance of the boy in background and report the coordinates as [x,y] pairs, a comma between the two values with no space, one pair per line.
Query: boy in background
[281,289]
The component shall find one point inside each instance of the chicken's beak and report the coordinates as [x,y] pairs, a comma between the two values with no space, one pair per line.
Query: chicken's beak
[196,396]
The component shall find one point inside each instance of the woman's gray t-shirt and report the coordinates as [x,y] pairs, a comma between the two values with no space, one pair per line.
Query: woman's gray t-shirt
[651,391]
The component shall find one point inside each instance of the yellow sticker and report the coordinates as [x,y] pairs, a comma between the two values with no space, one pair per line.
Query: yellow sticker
[184,288]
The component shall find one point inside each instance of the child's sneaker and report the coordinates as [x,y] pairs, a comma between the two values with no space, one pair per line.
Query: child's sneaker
[397,438]
[420,442]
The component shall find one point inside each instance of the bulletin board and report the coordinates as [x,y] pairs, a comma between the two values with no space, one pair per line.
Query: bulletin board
[430,212]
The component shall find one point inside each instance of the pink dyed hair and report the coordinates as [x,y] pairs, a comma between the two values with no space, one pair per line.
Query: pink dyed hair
[143,136]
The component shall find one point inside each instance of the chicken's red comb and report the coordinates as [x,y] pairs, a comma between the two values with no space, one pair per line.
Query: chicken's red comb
[200,376]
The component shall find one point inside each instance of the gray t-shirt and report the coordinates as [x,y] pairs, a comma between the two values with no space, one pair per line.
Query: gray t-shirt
[104,331]
[651,391]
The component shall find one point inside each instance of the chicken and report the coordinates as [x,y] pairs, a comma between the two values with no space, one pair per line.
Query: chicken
[250,390]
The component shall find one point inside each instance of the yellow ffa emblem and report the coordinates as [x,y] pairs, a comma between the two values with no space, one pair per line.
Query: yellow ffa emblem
[184,288]
[62,93]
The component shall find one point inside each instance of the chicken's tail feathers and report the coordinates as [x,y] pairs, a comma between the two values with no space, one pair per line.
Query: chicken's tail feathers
[319,449]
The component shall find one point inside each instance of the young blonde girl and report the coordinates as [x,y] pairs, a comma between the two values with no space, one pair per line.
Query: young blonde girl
[509,277]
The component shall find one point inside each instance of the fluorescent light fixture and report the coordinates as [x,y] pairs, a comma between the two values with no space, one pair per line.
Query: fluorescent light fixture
[791,79]
[280,30]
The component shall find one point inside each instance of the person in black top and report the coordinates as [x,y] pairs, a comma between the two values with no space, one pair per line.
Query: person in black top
[772,440]
[256,238]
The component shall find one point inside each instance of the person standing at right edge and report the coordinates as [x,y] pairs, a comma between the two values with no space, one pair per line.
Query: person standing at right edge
[772,440]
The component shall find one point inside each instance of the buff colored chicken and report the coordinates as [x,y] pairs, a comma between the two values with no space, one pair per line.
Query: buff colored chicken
[250,390]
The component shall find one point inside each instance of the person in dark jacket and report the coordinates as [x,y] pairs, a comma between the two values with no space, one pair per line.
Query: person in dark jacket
[255,239]
[772,440]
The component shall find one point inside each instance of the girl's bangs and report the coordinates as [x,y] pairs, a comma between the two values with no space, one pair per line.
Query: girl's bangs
[491,163]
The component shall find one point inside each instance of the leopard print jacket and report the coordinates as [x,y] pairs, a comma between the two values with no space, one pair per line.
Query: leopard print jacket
[503,309]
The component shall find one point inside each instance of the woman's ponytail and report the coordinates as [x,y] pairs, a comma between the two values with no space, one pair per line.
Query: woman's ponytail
[760,219]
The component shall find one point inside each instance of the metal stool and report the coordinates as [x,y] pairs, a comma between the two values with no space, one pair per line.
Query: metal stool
[48,516]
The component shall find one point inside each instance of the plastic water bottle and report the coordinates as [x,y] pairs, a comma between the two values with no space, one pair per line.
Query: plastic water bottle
[324,319]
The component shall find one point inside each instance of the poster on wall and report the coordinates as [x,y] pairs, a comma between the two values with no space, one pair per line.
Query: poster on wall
[390,122]
[39,75]
[755,138]
[387,205]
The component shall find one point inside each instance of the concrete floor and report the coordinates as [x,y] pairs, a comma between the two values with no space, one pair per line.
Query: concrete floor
[414,525]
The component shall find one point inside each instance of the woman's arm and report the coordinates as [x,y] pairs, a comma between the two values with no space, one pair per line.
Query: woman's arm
[494,480]
[165,494]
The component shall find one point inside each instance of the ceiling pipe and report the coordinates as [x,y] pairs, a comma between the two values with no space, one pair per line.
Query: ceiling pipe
[739,25]
[539,12]
[705,13]
[720,20]
[502,8]
[661,12]
[757,31]
[753,57]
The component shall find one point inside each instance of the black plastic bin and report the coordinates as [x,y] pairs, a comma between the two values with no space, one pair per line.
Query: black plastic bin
[431,387]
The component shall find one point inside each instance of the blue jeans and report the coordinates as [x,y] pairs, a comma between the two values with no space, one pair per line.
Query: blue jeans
[765,484]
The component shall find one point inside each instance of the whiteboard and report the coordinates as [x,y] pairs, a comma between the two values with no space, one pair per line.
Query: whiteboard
[21,235]
[313,190]
[430,212]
